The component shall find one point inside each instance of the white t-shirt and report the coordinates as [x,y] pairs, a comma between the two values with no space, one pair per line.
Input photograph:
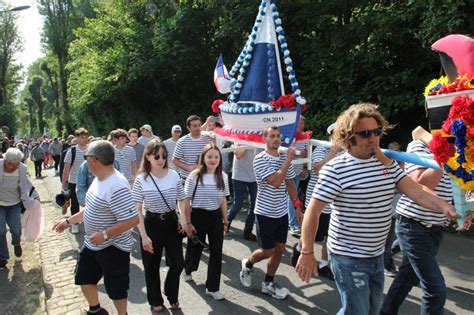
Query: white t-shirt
[144,191]
[207,195]
[271,202]
[109,201]
[360,194]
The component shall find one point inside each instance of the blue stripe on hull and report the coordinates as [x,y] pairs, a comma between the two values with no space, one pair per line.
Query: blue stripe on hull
[262,82]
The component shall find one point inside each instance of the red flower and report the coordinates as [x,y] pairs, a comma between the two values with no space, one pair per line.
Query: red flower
[447,126]
[215,106]
[287,101]
[470,132]
[441,149]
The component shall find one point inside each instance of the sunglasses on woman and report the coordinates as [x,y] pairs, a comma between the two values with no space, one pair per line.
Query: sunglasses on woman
[369,133]
[157,157]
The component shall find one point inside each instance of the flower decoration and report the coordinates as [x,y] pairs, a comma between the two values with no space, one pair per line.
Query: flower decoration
[458,159]
[215,106]
[286,101]
[443,86]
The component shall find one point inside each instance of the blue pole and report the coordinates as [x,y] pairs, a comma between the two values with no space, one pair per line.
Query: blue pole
[411,158]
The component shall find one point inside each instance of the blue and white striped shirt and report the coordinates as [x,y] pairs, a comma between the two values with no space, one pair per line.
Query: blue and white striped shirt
[108,202]
[188,150]
[271,201]
[207,195]
[144,191]
[125,157]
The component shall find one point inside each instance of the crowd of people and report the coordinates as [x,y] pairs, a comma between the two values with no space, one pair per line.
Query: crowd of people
[181,188]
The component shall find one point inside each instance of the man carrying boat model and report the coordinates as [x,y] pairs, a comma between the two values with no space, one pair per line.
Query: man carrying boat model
[359,185]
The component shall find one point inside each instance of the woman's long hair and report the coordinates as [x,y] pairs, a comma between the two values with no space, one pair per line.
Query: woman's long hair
[202,168]
[152,147]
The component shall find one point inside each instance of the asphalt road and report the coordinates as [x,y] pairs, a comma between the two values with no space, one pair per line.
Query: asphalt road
[456,259]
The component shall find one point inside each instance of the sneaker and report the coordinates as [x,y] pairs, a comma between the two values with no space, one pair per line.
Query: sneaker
[187,278]
[295,255]
[326,273]
[391,272]
[250,237]
[74,228]
[245,275]
[295,231]
[269,288]
[18,250]
[3,263]
[216,295]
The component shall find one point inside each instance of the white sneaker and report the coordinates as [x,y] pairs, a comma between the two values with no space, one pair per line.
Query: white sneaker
[245,275]
[269,288]
[187,278]
[75,228]
[216,295]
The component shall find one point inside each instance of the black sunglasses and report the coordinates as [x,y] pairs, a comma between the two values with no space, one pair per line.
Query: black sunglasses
[196,241]
[368,133]
[157,157]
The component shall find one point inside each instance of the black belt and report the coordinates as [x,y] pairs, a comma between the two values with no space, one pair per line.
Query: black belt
[160,216]
[433,228]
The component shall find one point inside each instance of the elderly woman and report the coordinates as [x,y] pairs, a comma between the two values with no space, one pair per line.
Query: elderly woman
[15,188]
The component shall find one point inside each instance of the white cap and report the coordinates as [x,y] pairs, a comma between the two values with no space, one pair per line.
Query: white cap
[147,127]
[331,128]
[176,128]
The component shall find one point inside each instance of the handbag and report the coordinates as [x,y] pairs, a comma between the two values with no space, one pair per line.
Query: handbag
[33,222]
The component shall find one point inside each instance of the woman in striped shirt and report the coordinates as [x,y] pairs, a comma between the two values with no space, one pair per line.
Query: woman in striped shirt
[205,210]
[157,190]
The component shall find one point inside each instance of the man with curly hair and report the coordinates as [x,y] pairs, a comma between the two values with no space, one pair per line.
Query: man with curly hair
[359,185]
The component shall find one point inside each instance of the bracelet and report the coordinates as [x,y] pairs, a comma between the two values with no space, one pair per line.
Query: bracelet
[225,223]
[306,253]
[188,223]
[297,203]
[67,222]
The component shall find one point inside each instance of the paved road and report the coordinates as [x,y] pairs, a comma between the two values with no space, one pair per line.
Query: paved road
[456,259]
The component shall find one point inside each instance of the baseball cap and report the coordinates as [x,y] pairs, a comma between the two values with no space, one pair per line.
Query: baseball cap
[331,128]
[147,127]
[176,128]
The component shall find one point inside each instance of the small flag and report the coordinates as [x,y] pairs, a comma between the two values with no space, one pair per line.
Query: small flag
[221,77]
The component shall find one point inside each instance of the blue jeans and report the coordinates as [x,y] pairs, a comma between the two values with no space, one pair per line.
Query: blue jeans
[419,265]
[391,238]
[360,283]
[10,215]
[240,188]
[291,210]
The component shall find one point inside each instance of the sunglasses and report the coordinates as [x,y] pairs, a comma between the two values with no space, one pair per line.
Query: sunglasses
[369,133]
[196,241]
[157,157]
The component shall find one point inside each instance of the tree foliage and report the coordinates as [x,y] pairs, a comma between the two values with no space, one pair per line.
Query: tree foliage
[144,61]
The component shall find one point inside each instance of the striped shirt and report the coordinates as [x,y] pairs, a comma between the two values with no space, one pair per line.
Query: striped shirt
[144,191]
[408,208]
[108,202]
[299,146]
[78,159]
[188,150]
[170,146]
[319,153]
[207,196]
[360,194]
[125,157]
[271,201]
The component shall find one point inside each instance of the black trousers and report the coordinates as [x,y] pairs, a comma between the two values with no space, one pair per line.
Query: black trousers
[74,202]
[163,234]
[206,223]
[56,159]
[38,167]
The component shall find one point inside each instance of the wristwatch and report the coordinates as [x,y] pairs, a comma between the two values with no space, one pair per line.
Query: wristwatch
[104,234]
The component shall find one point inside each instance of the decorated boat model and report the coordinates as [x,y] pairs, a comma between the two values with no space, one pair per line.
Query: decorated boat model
[256,94]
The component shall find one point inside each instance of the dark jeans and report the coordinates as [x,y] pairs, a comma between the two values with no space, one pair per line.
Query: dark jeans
[206,223]
[240,188]
[10,215]
[387,255]
[419,265]
[56,159]
[38,168]
[74,202]
[163,234]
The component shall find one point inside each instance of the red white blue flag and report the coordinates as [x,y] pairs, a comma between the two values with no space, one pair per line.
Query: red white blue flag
[221,77]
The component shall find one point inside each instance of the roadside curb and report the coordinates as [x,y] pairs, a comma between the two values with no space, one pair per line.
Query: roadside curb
[58,260]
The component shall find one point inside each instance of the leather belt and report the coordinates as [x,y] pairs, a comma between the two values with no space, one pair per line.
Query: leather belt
[433,228]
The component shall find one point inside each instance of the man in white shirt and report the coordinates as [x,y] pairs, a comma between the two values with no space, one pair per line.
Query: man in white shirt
[171,145]
[147,135]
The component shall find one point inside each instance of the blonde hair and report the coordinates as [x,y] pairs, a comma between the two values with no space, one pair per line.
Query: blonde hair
[346,122]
